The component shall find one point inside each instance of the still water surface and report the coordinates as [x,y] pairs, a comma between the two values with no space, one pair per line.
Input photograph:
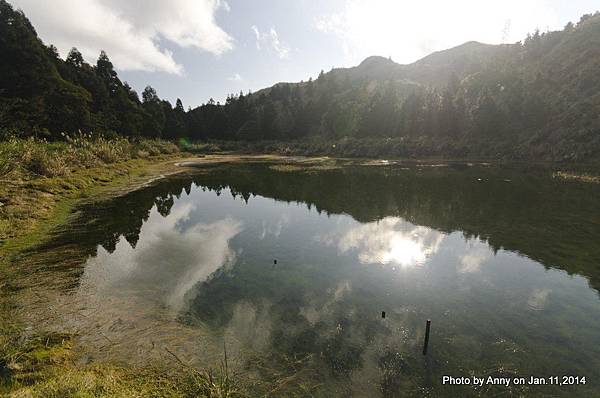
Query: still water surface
[505,263]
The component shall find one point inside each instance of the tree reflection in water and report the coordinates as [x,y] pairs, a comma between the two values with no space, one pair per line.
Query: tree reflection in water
[352,242]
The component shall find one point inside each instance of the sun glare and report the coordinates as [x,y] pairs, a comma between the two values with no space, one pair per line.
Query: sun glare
[407,31]
[391,241]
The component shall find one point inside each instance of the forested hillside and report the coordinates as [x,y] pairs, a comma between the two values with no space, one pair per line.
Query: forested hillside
[539,99]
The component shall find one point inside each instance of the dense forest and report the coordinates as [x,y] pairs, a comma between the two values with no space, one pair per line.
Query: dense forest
[536,99]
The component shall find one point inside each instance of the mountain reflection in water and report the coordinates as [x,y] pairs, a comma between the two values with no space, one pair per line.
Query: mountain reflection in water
[483,260]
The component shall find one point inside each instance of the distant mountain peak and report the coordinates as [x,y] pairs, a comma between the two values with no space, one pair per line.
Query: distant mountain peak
[473,43]
[376,60]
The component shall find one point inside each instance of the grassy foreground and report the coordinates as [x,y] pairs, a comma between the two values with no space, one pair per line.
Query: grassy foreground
[40,182]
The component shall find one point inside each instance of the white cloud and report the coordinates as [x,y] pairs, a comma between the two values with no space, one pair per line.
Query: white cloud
[270,39]
[257,35]
[235,78]
[225,5]
[130,32]
[280,48]
[408,31]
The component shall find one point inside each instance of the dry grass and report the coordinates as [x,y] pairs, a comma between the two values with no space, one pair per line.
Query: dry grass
[41,181]
[35,175]
[51,159]
[577,177]
[45,366]
[31,204]
[286,168]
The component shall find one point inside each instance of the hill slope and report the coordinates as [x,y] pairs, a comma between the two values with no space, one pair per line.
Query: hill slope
[532,100]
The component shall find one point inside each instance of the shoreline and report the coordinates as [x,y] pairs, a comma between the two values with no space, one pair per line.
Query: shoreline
[53,197]
[48,360]
[31,361]
[42,363]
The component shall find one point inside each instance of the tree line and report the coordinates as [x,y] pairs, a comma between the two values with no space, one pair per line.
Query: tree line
[540,92]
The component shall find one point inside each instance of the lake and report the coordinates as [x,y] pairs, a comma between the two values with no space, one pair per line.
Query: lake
[289,267]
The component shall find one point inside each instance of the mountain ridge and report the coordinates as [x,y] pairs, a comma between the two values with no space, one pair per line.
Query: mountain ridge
[537,99]
[381,62]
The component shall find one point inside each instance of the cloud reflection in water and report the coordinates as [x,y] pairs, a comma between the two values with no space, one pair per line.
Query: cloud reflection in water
[391,241]
[168,260]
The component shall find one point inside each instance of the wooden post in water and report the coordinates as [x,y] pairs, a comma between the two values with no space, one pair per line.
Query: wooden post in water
[426,342]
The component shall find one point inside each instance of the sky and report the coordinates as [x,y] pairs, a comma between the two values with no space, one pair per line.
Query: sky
[201,49]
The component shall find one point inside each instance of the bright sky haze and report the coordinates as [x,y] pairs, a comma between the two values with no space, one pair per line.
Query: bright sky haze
[198,49]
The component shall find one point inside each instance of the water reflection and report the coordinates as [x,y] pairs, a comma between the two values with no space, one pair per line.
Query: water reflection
[168,260]
[477,255]
[274,228]
[538,299]
[391,241]
[202,247]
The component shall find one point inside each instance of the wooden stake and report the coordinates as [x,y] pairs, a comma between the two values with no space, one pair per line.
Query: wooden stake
[426,342]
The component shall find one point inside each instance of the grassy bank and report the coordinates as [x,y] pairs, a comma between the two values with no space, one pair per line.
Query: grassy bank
[41,182]
[343,148]
[437,148]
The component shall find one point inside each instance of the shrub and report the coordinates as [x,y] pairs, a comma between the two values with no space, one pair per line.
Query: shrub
[8,156]
[142,154]
[200,147]
[167,147]
[43,160]
[111,151]
[149,146]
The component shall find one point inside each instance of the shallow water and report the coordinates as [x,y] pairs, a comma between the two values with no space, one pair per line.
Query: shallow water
[505,262]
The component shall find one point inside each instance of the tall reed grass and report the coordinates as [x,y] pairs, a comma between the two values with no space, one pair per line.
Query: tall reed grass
[50,159]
